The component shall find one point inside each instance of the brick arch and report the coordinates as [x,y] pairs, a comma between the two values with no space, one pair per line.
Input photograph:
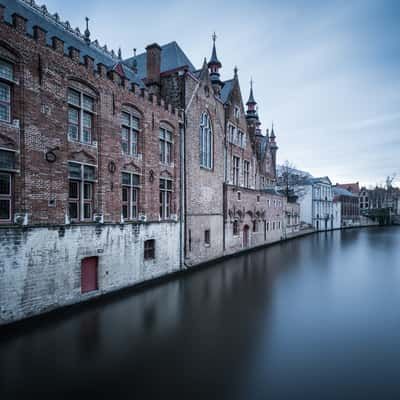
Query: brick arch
[167,125]
[131,108]
[83,85]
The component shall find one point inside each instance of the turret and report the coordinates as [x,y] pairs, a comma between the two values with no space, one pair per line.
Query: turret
[251,114]
[214,66]
[274,148]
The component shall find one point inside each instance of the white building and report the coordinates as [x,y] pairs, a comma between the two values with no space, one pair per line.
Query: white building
[316,203]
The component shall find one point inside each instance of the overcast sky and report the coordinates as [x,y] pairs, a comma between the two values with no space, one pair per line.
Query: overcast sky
[326,72]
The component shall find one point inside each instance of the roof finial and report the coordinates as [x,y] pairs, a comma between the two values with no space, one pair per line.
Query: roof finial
[214,37]
[119,54]
[251,83]
[87,32]
[134,63]
[235,71]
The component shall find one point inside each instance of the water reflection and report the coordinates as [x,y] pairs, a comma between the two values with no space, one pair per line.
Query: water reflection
[313,317]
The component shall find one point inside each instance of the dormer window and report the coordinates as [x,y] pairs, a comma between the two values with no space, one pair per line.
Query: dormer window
[80,117]
[237,112]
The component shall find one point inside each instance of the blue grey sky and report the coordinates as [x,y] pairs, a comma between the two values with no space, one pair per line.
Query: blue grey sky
[326,73]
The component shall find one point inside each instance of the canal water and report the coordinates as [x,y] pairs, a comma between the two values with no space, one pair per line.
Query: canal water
[314,318]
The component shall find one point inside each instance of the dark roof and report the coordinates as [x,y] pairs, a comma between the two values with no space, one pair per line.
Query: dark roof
[214,58]
[338,191]
[251,97]
[351,187]
[226,90]
[52,23]
[172,57]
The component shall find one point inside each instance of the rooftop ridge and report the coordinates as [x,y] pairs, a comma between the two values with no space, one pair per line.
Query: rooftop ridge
[65,25]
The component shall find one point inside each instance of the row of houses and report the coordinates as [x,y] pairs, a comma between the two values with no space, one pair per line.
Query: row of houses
[115,171]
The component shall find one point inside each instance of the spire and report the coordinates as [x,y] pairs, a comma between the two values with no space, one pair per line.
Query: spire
[235,72]
[119,54]
[87,32]
[272,132]
[251,100]
[134,62]
[214,59]
[251,104]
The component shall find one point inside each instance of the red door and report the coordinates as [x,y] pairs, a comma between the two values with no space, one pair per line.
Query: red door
[89,274]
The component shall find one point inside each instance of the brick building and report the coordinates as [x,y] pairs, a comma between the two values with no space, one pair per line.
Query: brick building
[349,206]
[113,171]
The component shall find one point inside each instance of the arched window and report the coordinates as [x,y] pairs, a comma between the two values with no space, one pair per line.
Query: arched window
[206,141]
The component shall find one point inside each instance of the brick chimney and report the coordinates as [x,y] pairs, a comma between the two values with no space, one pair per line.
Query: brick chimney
[153,68]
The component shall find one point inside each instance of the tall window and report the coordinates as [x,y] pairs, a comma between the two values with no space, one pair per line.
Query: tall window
[206,142]
[231,133]
[236,167]
[81,183]
[165,198]
[80,116]
[6,78]
[241,139]
[5,197]
[130,195]
[207,236]
[149,249]
[246,173]
[130,133]
[165,146]
[235,228]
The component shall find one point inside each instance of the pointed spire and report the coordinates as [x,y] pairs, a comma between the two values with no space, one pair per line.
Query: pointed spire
[235,72]
[272,132]
[119,54]
[251,100]
[214,59]
[87,32]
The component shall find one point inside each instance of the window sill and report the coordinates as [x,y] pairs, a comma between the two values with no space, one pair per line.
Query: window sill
[168,165]
[10,124]
[92,144]
[206,168]
[137,156]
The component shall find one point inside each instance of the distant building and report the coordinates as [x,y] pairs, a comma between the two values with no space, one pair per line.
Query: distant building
[349,205]
[292,216]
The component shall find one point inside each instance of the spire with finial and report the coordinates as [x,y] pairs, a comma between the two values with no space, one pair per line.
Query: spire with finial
[272,132]
[251,104]
[87,32]
[119,54]
[134,62]
[235,72]
[214,65]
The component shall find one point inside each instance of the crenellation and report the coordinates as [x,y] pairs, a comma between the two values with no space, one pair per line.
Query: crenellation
[74,53]
[40,35]
[58,44]
[19,22]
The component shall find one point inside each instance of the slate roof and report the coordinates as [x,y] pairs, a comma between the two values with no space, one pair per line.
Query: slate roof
[351,187]
[172,57]
[338,191]
[39,16]
[226,90]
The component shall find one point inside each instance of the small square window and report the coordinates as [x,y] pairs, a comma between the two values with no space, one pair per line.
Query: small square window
[149,249]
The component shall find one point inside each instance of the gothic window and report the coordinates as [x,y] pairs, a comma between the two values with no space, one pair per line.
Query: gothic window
[80,117]
[236,167]
[165,198]
[130,195]
[130,133]
[6,80]
[246,173]
[206,142]
[235,228]
[81,193]
[165,146]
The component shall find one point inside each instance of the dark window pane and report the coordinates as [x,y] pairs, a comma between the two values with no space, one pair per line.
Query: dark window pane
[6,70]
[7,159]
[73,190]
[87,211]
[125,211]
[88,173]
[135,180]
[73,210]
[74,97]
[125,194]
[87,188]
[74,170]
[5,209]
[126,178]
[5,184]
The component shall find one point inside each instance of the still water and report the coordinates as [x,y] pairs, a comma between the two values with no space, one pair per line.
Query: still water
[315,318]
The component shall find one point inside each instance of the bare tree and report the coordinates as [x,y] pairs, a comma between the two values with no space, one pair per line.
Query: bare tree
[290,179]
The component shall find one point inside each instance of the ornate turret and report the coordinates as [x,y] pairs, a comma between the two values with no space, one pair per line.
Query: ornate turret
[214,65]
[251,104]
[87,32]
[274,149]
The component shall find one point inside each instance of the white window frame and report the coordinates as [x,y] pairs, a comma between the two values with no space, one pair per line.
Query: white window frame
[166,146]
[133,132]
[165,199]
[206,144]
[132,189]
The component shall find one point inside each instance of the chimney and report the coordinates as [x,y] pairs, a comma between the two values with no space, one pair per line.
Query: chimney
[153,68]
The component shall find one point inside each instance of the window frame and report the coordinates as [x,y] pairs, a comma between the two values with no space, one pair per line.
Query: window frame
[149,249]
[166,141]
[206,142]
[133,133]
[207,237]
[165,199]
[246,173]
[235,170]
[83,111]
[133,192]
[8,197]
[82,201]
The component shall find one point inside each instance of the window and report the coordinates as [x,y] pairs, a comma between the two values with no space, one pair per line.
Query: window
[241,139]
[81,182]
[207,236]
[206,142]
[231,133]
[5,102]
[190,240]
[258,198]
[165,146]
[255,226]
[273,226]
[80,117]
[165,198]
[149,249]
[239,195]
[237,112]
[246,173]
[7,160]
[236,166]
[130,133]
[5,197]
[130,195]
[267,226]
[235,228]
[6,79]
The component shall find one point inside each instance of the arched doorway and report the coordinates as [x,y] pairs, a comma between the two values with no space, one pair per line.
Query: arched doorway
[246,236]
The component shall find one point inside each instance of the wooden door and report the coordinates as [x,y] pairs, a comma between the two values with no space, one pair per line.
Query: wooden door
[89,281]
